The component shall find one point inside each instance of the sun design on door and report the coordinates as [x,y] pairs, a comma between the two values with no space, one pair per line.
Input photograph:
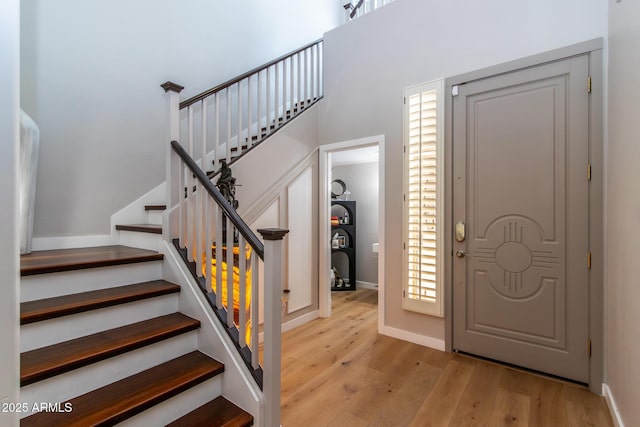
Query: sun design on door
[517,263]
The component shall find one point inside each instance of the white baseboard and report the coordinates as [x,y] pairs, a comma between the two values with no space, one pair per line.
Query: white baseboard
[611,403]
[423,340]
[69,242]
[299,321]
[366,285]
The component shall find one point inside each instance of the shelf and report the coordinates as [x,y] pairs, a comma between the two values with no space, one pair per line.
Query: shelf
[346,268]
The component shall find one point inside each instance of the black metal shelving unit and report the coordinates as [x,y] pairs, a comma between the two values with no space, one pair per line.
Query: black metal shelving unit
[348,230]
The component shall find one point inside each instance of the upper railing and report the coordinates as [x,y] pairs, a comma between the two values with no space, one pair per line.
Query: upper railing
[228,120]
[358,8]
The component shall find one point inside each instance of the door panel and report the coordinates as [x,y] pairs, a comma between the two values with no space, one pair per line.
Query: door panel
[521,150]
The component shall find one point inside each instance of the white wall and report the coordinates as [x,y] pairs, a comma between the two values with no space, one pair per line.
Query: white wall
[90,78]
[371,60]
[9,249]
[622,210]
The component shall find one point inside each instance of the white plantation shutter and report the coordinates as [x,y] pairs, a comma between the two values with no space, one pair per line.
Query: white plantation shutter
[423,204]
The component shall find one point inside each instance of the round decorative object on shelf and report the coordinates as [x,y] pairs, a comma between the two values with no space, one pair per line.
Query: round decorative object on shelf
[338,187]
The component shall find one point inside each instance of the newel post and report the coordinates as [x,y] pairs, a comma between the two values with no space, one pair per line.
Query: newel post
[172,97]
[272,322]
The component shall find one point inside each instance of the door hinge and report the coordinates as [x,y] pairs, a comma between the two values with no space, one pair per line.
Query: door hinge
[404,246]
[588,259]
[589,84]
[404,294]
[589,172]
[589,347]
[404,100]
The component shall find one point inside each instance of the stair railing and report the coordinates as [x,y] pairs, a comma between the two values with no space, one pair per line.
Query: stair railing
[362,7]
[224,254]
[228,120]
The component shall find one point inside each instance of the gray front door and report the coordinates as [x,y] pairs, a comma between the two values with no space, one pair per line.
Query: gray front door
[520,159]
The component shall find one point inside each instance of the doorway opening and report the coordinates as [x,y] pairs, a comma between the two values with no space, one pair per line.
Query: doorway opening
[358,168]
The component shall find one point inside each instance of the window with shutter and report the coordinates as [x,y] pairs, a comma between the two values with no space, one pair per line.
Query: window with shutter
[423,204]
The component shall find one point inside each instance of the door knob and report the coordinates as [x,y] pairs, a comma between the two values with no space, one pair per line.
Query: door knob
[460,253]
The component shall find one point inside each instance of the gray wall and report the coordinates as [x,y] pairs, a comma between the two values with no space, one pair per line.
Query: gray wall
[362,182]
[9,249]
[369,62]
[622,210]
[91,72]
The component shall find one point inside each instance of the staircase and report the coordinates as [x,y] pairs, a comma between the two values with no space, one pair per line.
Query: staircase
[102,343]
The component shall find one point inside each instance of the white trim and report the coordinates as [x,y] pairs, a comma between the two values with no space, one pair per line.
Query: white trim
[423,340]
[299,321]
[324,251]
[611,404]
[366,285]
[68,242]
[294,323]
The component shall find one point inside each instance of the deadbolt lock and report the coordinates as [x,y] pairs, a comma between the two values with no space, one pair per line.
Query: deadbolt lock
[460,231]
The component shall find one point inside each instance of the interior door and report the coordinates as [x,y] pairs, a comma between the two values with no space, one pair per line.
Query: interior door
[520,159]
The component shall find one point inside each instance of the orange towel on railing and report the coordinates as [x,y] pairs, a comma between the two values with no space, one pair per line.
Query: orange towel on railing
[236,281]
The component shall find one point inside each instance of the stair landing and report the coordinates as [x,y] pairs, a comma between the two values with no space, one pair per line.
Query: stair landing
[53,261]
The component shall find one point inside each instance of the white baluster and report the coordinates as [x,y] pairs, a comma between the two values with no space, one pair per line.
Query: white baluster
[255,310]
[268,125]
[219,256]
[259,107]
[191,182]
[216,155]
[250,112]
[239,120]
[208,232]
[228,155]
[242,291]
[291,83]
[229,247]
[276,115]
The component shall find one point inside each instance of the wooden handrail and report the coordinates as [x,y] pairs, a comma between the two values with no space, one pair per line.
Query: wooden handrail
[209,92]
[229,211]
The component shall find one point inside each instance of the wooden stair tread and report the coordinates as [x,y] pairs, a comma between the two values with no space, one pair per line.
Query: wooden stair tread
[155,207]
[50,308]
[218,412]
[123,399]
[143,228]
[58,260]
[46,362]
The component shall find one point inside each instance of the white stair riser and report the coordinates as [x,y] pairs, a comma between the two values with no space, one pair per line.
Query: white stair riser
[65,386]
[137,239]
[154,217]
[177,406]
[41,286]
[41,334]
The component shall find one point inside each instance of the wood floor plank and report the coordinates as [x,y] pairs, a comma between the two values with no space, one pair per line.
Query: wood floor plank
[340,371]
[479,397]
[440,404]
[510,409]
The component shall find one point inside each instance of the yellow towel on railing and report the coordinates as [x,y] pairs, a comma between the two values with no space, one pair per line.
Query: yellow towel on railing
[236,281]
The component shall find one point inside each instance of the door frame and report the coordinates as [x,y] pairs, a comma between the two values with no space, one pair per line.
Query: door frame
[324,232]
[593,48]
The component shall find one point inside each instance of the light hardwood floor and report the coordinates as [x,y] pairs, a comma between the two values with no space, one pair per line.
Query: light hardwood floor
[339,372]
